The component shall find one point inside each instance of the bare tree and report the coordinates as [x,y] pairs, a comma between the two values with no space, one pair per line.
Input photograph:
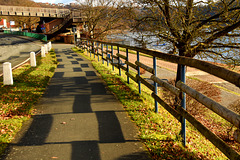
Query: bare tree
[193,28]
[20,21]
[103,17]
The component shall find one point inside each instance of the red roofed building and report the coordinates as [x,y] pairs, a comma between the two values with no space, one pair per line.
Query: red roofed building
[5,24]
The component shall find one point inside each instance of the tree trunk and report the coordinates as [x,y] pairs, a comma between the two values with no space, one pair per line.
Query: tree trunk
[181,53]
[178,77]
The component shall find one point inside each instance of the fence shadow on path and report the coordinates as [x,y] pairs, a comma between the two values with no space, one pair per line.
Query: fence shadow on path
[68,97]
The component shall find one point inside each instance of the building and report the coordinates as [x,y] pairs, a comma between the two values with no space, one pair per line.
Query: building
[60,4]
[3,23]
[6,24]
[72,4]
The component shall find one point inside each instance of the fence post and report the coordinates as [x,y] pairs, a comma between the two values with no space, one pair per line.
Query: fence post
[102,53]
[43,51]
[127,65]
[90,48]
[183,103]
[33,59]
[107,55]
[112,57]
[87,44]
[155,84]
[49,46]
[46,48]
[97,51]
[83,43]
[119,62]
[139,82]
[7,74]
[93,49]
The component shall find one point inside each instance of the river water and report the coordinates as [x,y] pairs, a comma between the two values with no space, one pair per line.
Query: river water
[152,42]
[135,39]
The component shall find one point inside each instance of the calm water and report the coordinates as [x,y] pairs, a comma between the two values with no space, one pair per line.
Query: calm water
[152,42]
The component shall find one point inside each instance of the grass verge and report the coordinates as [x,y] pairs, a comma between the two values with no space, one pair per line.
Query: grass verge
[17,101]
[227,90]
[159,132]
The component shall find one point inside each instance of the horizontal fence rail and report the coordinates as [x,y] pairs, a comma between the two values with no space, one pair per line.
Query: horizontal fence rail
[180,113]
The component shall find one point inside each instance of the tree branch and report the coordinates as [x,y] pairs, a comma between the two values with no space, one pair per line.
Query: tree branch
[214,17]
[223,32]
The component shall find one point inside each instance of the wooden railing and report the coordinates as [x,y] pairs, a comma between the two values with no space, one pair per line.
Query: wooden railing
[180,113]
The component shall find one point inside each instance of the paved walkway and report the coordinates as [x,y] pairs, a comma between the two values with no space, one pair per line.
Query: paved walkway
[77,119]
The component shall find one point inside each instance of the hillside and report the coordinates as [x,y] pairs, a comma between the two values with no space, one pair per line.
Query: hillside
[27,3]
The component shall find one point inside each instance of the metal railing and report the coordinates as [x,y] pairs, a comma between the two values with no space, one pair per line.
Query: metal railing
[180,113]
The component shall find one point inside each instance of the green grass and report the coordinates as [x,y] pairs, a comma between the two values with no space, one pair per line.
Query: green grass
[159,132]
[227,90]
[17,101]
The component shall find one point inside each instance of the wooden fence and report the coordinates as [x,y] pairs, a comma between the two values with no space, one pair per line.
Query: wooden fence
[180,113]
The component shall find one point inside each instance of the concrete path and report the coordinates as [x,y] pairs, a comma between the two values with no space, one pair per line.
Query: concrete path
[16,49]
[77,119]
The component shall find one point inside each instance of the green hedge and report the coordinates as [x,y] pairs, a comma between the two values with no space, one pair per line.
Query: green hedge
[28,34]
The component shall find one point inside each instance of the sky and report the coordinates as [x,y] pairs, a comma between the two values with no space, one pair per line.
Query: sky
[56,1]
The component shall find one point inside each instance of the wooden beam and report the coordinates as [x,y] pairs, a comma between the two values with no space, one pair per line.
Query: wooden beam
[219,143]
[149,69]
[222,111]
[131,65]
[131,76]
[166,85]
[171,110]
[122,56]
[151,87]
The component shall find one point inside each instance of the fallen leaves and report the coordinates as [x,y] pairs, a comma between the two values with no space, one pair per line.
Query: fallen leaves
[54,157]
[16,101]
